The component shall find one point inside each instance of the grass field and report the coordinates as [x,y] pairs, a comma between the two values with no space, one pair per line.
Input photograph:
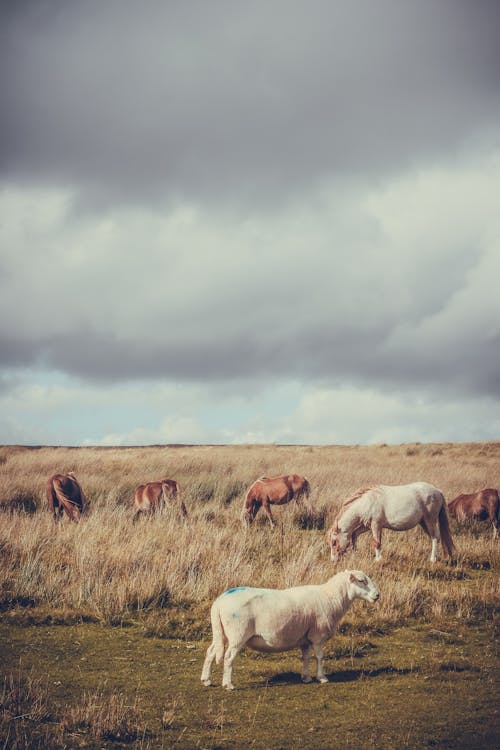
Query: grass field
[104,624]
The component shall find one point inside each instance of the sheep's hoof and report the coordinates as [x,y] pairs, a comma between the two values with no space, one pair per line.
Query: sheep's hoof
[306,679]
[229,687]
[323,679]
[207,683]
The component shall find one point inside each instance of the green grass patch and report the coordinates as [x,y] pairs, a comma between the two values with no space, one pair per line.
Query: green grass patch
[101,687]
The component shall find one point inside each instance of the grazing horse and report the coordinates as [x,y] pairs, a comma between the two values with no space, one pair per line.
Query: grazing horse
[153,496]
[482,506]
[64,495]
[391,507]
[273,491]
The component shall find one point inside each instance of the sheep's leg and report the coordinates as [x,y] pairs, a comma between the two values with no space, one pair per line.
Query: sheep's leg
[318,651]
[209,659]
[229,658]
[306,658]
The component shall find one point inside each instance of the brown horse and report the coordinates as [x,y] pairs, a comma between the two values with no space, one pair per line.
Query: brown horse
[153,496]
[481,506]
[64,495]
[273,491]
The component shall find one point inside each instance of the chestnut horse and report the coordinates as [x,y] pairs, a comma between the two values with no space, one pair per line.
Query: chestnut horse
[273,491]
[481,506]
[64,495]
[153,496]
[399,508]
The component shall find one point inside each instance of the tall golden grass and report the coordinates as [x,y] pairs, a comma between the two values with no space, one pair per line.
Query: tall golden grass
[108,568]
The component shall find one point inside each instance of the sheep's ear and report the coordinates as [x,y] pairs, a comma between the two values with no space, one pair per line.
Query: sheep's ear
[356,579]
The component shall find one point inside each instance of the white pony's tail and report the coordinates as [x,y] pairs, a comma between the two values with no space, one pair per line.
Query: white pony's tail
[217,632]
[444,530]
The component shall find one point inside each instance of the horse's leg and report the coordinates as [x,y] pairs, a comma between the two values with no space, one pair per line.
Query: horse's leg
[377,540]
[209,659]
[306,658]
[318,651]
[267,511]
[431,527]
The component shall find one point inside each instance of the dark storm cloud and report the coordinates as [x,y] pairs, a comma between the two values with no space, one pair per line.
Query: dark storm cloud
[368,131]
[235,100]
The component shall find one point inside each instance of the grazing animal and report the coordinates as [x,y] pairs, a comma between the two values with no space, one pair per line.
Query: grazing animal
[273,491]
[273,620]
[64,495]
[391,507]
[151,497]
[482,506]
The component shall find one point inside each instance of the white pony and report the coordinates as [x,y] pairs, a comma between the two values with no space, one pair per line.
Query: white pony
[278,620]
[398,508]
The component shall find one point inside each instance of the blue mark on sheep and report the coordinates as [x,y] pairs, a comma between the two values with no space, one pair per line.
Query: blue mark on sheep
[236,588]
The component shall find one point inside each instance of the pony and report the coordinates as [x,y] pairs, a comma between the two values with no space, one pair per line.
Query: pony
[153,496]
[64,495]
[481,506]
[272,620]
[391,507]
[268,491]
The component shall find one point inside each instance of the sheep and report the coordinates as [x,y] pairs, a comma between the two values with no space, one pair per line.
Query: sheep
[270,620]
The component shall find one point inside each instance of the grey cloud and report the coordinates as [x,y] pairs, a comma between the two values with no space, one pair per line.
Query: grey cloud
[246,102]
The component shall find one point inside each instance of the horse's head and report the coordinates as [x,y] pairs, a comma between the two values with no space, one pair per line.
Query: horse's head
[247,515]
[339,541]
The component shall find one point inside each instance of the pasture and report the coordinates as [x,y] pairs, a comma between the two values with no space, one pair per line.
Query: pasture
[104,624]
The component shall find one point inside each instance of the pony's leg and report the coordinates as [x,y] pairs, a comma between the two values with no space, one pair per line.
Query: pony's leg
[495,531]
[434,549]
[306,658]
[230,656]
[318,651]
[377,541]
[432,530]
[209,659]
[267,511]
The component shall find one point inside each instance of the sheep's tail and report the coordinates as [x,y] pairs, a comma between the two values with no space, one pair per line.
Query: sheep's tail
[217,632]
[444,530]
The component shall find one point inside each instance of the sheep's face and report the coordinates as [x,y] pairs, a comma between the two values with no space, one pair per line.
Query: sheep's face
[339,542]
[363,586]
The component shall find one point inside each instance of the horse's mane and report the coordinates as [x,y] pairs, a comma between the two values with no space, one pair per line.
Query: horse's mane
[356,496]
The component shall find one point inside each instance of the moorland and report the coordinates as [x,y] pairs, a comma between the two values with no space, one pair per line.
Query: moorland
[104,623]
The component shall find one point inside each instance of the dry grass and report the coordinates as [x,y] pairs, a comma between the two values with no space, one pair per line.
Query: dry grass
[28,719]
[108,569]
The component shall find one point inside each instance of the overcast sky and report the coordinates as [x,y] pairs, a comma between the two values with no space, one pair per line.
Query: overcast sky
[238,221]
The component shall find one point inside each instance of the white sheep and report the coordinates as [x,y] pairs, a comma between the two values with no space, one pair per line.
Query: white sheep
[302,617]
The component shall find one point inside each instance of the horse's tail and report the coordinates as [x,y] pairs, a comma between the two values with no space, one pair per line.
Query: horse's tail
[217,632]
[69,506]
[85,501]
[306,490]
[444,531]
[496,513]
[180,497]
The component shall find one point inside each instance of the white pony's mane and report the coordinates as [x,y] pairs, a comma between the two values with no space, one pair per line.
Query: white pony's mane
[350,500]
